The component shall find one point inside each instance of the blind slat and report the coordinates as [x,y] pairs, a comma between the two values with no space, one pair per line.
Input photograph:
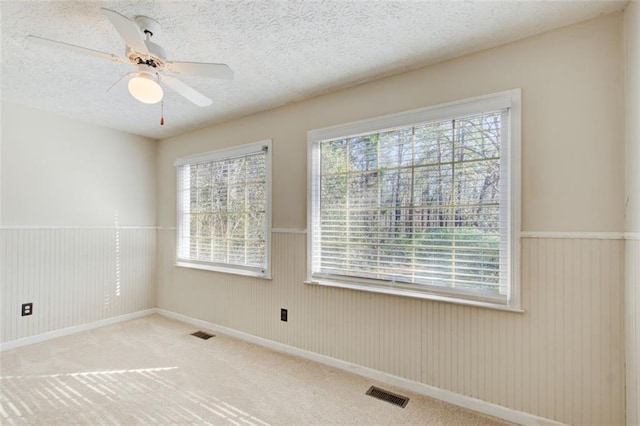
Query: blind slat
[222,217]
[420,203]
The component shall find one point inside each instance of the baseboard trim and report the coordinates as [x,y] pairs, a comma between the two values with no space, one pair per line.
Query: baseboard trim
[474,404]
[72,330]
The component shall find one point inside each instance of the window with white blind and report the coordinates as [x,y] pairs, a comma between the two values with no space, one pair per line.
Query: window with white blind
[423,203]
[224,215]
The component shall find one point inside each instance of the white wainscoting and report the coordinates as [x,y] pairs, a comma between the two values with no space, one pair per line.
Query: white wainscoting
[632,337]
[73,276]
[562,359]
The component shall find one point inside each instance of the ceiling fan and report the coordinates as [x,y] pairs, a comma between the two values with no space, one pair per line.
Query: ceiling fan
[150,59]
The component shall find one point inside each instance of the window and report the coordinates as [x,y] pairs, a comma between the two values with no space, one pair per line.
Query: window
[224,215]
[423,203]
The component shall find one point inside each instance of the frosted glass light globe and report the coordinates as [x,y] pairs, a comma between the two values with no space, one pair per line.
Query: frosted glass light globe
[145,88]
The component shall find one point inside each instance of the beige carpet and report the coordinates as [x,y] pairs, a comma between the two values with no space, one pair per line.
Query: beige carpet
[151,371]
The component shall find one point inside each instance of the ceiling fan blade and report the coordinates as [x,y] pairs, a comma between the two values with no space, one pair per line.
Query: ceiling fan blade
[187,91]
[74,48]
[128,30]
[201,69]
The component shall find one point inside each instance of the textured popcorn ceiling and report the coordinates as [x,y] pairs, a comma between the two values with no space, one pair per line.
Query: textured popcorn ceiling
[280,51]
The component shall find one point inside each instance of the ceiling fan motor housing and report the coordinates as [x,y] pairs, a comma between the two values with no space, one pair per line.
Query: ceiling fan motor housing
[156,58]
[157,55]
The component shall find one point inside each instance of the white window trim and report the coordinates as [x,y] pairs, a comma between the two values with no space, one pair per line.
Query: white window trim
[507,99]
[216,155]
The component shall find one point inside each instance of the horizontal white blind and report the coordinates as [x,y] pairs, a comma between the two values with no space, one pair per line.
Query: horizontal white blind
[421,204]
[222,207]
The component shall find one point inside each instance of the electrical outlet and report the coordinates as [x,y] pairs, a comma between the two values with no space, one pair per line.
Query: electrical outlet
[27,309]
[283,315]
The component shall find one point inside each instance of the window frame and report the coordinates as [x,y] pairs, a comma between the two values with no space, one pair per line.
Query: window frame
[511,100]
[220,155]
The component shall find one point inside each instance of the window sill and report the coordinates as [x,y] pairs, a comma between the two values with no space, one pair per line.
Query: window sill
[221,269]
[415,294]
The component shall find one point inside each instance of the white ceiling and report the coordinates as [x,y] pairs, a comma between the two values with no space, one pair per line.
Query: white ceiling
[280,51]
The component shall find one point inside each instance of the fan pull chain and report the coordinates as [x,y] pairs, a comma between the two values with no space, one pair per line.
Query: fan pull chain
[162,112]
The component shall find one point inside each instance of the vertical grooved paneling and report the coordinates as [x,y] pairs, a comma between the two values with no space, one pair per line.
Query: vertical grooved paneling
[632,332]
[69,275]
[562,359]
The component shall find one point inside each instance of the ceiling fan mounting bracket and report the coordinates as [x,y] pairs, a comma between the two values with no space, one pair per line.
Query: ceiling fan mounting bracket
[148,26]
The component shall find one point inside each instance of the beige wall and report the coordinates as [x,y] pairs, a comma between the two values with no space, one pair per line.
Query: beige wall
[632,109]
[59,171]
[632,252]
[62,182]
[573,109]
[563,358]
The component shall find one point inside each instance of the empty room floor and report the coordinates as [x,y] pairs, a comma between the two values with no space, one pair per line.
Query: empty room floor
[152,371]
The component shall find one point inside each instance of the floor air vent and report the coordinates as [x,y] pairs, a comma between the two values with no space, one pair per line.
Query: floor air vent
[203,335]
[388,396]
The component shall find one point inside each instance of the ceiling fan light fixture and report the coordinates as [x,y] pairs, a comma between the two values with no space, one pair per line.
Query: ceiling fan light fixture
[145,88]
[150,59]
